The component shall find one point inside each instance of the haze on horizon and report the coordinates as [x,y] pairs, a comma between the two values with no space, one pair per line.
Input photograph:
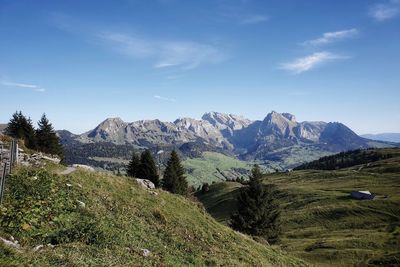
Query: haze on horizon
[81,62]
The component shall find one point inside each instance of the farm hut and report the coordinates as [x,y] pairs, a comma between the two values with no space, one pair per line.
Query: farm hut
[361,195]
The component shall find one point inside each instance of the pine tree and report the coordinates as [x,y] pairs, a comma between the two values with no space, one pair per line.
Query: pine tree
[22,128]
[147,168]
[257,211]
[174,180]
[133,166]
[47,139]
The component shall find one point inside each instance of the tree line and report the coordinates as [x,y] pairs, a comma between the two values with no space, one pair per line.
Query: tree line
[144,167]
[43,138]
[346,159]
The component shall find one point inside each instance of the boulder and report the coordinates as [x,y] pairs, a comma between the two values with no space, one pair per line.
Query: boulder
[146,183]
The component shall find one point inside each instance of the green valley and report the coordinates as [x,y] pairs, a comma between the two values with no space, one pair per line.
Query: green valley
[321,223]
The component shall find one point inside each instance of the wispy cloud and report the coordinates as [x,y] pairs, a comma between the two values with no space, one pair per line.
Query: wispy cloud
[385,11]
[165,53]
[307,63]
[253,19]
[33,87]
[173,77]
[330,37]
[165,98]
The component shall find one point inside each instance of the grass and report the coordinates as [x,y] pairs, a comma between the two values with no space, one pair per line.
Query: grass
[117,221]
[213,167]
[321,224]
[290,157]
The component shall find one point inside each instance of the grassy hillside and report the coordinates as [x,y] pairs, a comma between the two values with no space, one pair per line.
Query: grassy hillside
[322,225]
[214,167]
[95,219]
[290,157]
[350,158]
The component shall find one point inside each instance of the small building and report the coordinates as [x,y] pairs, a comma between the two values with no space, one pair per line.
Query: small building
[362,195]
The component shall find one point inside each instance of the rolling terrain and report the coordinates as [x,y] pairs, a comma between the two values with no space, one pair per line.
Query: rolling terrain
[321,223]
[94,219]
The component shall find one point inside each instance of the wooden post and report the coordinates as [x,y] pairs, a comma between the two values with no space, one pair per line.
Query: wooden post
[3,174]
[16,152]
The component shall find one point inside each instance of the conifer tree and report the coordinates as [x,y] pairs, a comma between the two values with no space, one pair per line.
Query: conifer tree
[147,168]
[133,166]
[257,211]
[174,180]
[47,139]
[22,128]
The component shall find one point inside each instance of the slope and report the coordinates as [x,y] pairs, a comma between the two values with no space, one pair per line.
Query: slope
[321,223]
[94,219]
[214,167]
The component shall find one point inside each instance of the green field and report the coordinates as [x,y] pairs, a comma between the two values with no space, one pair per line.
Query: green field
[117,220]
[213,167]
[321,223]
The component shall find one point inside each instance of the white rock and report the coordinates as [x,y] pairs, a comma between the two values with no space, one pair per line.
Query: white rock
[38,247]
[10,243]
[146,183]
[145,252]
[81,204]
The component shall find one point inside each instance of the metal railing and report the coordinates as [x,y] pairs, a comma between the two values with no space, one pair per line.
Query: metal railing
[7,161]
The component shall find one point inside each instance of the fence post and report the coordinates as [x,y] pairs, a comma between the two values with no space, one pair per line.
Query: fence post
[3,174]
[16,152]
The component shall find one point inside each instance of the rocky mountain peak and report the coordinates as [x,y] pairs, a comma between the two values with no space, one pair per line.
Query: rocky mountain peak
[111,125]
[226,123]
[278,124]
[289,116]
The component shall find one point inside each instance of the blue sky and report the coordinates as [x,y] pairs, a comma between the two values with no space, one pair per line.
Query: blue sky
[84,61]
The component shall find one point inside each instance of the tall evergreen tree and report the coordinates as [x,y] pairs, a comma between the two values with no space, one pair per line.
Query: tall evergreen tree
[147,168]
[133,166]
[174,180]
[257,211]
[47,139]
[21,127]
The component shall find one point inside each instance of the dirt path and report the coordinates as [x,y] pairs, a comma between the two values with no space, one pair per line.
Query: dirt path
[68,170]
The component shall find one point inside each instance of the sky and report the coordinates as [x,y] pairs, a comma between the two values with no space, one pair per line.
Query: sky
[81,62]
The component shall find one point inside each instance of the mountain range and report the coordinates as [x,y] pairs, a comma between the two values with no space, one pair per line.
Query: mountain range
[388,137]
[279,137]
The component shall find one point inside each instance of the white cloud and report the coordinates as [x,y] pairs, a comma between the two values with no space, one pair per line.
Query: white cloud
[34,87]
[303,64]
[388,10]
[165,53]
[188,55]
[130,45]
[165,98]
[253,19]
[329,37]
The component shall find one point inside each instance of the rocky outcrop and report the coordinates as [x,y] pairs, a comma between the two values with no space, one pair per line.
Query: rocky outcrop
[227,124]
